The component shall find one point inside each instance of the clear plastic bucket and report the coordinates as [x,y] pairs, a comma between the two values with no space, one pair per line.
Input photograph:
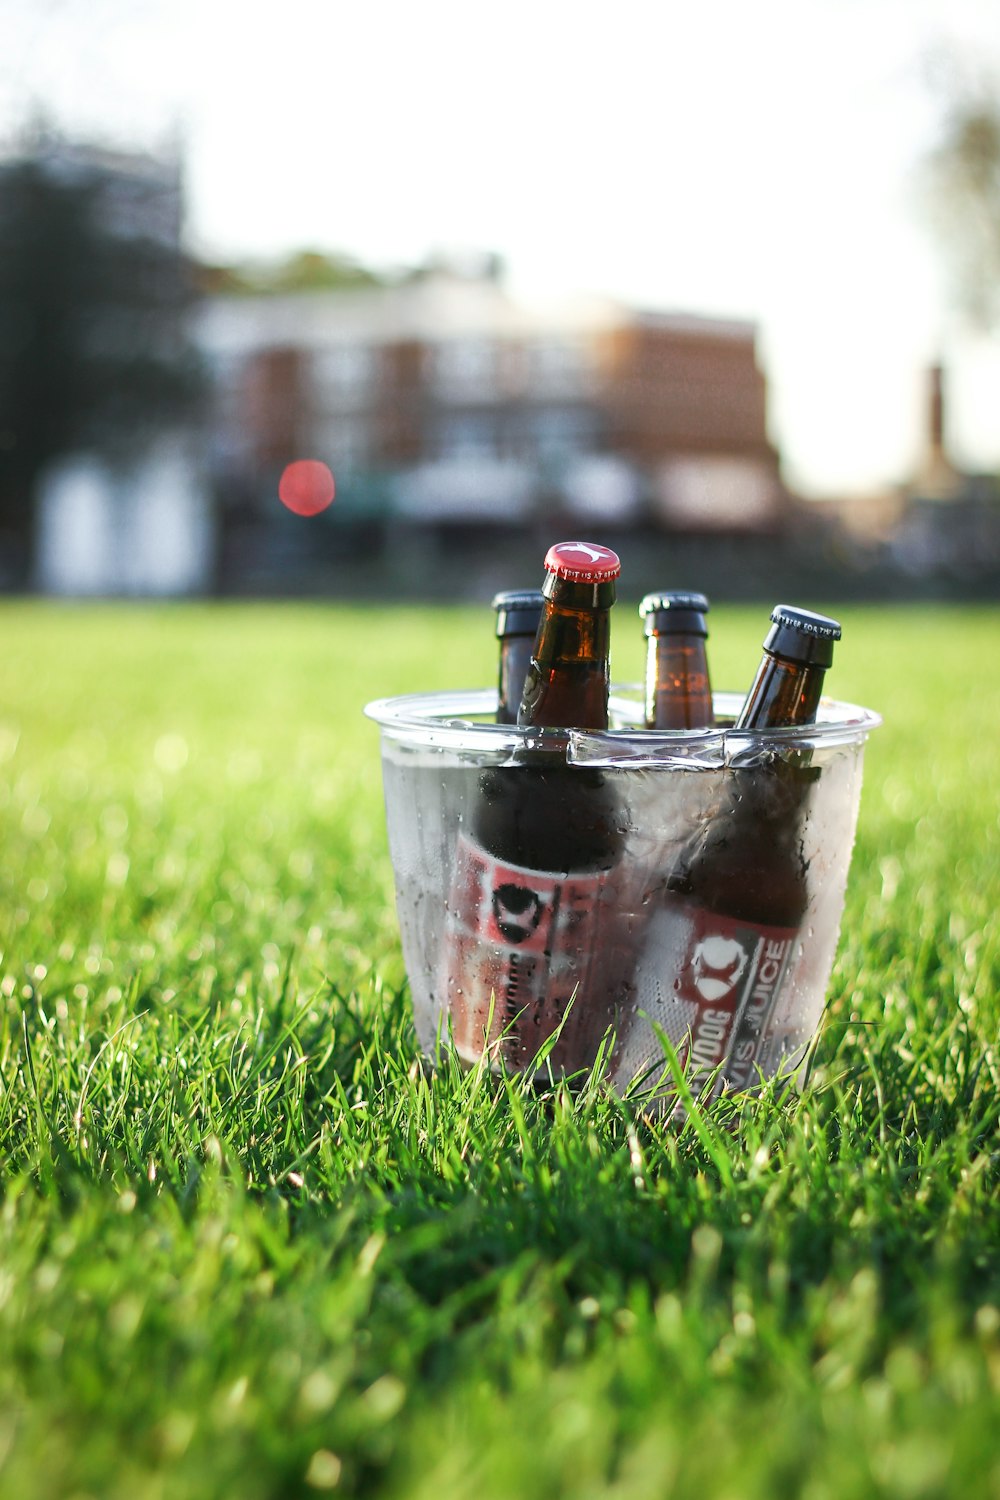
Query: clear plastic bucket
[565,895]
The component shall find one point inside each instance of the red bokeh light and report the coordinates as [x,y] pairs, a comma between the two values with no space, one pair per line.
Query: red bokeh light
[306,486]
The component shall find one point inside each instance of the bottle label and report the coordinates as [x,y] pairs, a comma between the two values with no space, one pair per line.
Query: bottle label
[753,1023]
[521,948]
[710,983]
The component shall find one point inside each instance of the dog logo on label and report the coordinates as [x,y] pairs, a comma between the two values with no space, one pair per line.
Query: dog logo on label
[718,964]
[517,911]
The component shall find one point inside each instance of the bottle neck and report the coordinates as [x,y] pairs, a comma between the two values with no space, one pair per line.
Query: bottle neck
[568,682]
[515,661]
[785,693]
[678,690]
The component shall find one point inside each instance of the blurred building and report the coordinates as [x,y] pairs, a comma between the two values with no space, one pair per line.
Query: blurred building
[442,400]
[937,533]
[148,407]
[101,484]
[949,523]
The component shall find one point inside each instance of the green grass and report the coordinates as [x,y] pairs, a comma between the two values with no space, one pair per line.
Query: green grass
[248,1249]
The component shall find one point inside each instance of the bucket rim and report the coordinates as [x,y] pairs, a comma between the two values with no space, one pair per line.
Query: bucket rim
[447,719]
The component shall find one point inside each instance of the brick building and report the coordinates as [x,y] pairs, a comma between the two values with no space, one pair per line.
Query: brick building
[443,399]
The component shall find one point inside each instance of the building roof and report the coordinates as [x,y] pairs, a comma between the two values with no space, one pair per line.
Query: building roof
[428,308]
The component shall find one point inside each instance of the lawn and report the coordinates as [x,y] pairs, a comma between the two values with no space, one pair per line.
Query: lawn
[249,1249]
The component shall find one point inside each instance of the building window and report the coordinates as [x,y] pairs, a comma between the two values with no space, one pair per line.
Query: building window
[345,443]
[558,432]
[465,369]
[557,365]
[466,435]
[342,375]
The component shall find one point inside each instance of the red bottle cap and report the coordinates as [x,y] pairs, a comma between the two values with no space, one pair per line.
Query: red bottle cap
[583,562]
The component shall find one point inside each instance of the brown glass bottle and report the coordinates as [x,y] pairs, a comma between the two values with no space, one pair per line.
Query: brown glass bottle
[678,689]
[722,942]
[531,942]
[789,683]
[518,613]
[771,806]
[760,817]
[569,680]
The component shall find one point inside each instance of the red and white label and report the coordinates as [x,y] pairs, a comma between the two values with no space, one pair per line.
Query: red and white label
[521,948]
[710,983]
[772,959]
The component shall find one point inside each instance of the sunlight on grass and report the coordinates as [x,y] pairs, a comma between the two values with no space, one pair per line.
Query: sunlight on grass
[250,1246]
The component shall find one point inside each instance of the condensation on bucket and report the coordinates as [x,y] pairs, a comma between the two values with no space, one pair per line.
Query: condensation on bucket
[667,786]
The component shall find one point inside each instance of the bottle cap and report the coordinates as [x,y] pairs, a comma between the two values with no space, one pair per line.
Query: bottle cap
[518,611]
[802,635]
[583,562]
[674,614]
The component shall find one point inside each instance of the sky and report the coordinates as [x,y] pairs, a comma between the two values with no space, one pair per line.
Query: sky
[758,160]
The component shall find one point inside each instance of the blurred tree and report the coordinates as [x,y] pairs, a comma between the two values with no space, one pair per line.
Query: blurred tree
[962,177]
[303,271]
[94,293]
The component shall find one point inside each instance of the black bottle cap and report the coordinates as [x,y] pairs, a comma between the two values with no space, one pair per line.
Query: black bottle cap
[802,635]
[518,611]
[674,614]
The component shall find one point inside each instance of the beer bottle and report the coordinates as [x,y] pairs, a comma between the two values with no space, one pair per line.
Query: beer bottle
[721,942]
[785,694]
[532,937]
[678,690]
[789,681]
[518,614]
[569,680]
